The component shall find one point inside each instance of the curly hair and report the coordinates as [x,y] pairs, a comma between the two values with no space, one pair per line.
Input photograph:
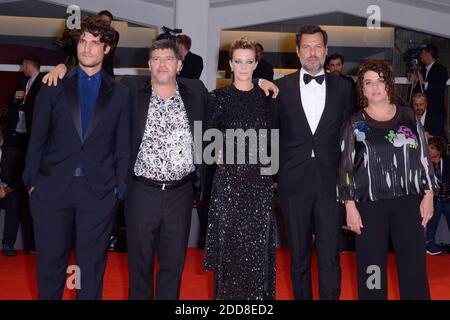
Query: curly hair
[384,70]
[98,28]
[244,43]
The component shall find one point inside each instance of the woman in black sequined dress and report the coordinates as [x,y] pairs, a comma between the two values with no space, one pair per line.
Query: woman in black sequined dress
[240,244]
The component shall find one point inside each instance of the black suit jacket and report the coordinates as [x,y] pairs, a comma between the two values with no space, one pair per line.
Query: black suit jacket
[445,169]
[434,125]
[192,66]
[57,146]
[437,79]
[195,99]
[264,70]
[297,140]
[27,106]
[11,167]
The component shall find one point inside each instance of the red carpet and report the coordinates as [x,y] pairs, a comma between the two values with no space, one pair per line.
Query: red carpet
[17,280]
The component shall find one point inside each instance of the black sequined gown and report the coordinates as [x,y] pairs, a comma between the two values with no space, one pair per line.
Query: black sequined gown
[240,245]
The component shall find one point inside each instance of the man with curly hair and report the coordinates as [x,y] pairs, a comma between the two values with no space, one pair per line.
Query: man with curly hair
[76,167]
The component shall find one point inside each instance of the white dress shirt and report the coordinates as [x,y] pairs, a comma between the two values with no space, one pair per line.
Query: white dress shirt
[427,70]
[313,97]
[423,117]
[21,126]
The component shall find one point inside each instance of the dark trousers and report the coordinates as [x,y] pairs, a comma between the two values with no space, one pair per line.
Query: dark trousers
[202,212]
[440,208]
[17,212]
[158,223]
[78,215]
[301,211]
[11,204]
[400,219]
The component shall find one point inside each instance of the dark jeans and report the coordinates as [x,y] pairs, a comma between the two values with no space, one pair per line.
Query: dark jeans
[440,208]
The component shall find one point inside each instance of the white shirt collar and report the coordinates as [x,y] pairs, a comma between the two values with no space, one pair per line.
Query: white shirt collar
[423,117]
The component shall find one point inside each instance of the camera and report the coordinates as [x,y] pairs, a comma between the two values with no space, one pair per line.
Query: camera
[412,58]
[169,34]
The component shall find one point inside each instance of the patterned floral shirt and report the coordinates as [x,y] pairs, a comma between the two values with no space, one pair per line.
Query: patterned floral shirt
[384,159]
[166,150]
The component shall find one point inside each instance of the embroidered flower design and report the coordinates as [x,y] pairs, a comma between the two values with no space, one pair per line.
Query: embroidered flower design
[403,137]
[407,132]
[360,129]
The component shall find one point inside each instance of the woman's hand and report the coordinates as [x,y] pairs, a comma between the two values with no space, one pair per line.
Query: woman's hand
[52,77]
[354,221]
[426,207]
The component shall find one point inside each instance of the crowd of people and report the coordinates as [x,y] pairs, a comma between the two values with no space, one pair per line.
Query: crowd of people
[91,142]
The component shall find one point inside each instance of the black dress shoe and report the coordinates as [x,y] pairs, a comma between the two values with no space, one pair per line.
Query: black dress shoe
[445,247]
[9,251]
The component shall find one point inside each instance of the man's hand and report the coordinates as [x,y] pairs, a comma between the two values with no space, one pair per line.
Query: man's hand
[268,86]
[420,77]
[52,77]
[30,191]
[19,95]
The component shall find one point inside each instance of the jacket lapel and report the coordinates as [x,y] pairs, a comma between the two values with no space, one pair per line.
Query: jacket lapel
[330,92]
[297,99]
[188,101]
[144,96]
[71,91]
[104,97]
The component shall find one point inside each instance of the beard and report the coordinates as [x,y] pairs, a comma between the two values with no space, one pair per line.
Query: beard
[313,67]
[420,112]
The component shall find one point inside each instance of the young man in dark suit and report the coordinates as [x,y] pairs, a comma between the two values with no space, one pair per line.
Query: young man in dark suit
[76,166]
[20,115]
[192,64]
[335,64]
[310,110]
[264,69]
[18,124]
[11,190]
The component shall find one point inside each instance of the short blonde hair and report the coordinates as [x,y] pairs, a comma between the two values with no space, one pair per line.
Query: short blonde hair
[244,43]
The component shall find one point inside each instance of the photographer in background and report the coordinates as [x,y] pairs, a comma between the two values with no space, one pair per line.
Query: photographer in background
[433,80]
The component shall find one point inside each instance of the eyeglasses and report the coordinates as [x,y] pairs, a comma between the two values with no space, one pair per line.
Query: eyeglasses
[168,59]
